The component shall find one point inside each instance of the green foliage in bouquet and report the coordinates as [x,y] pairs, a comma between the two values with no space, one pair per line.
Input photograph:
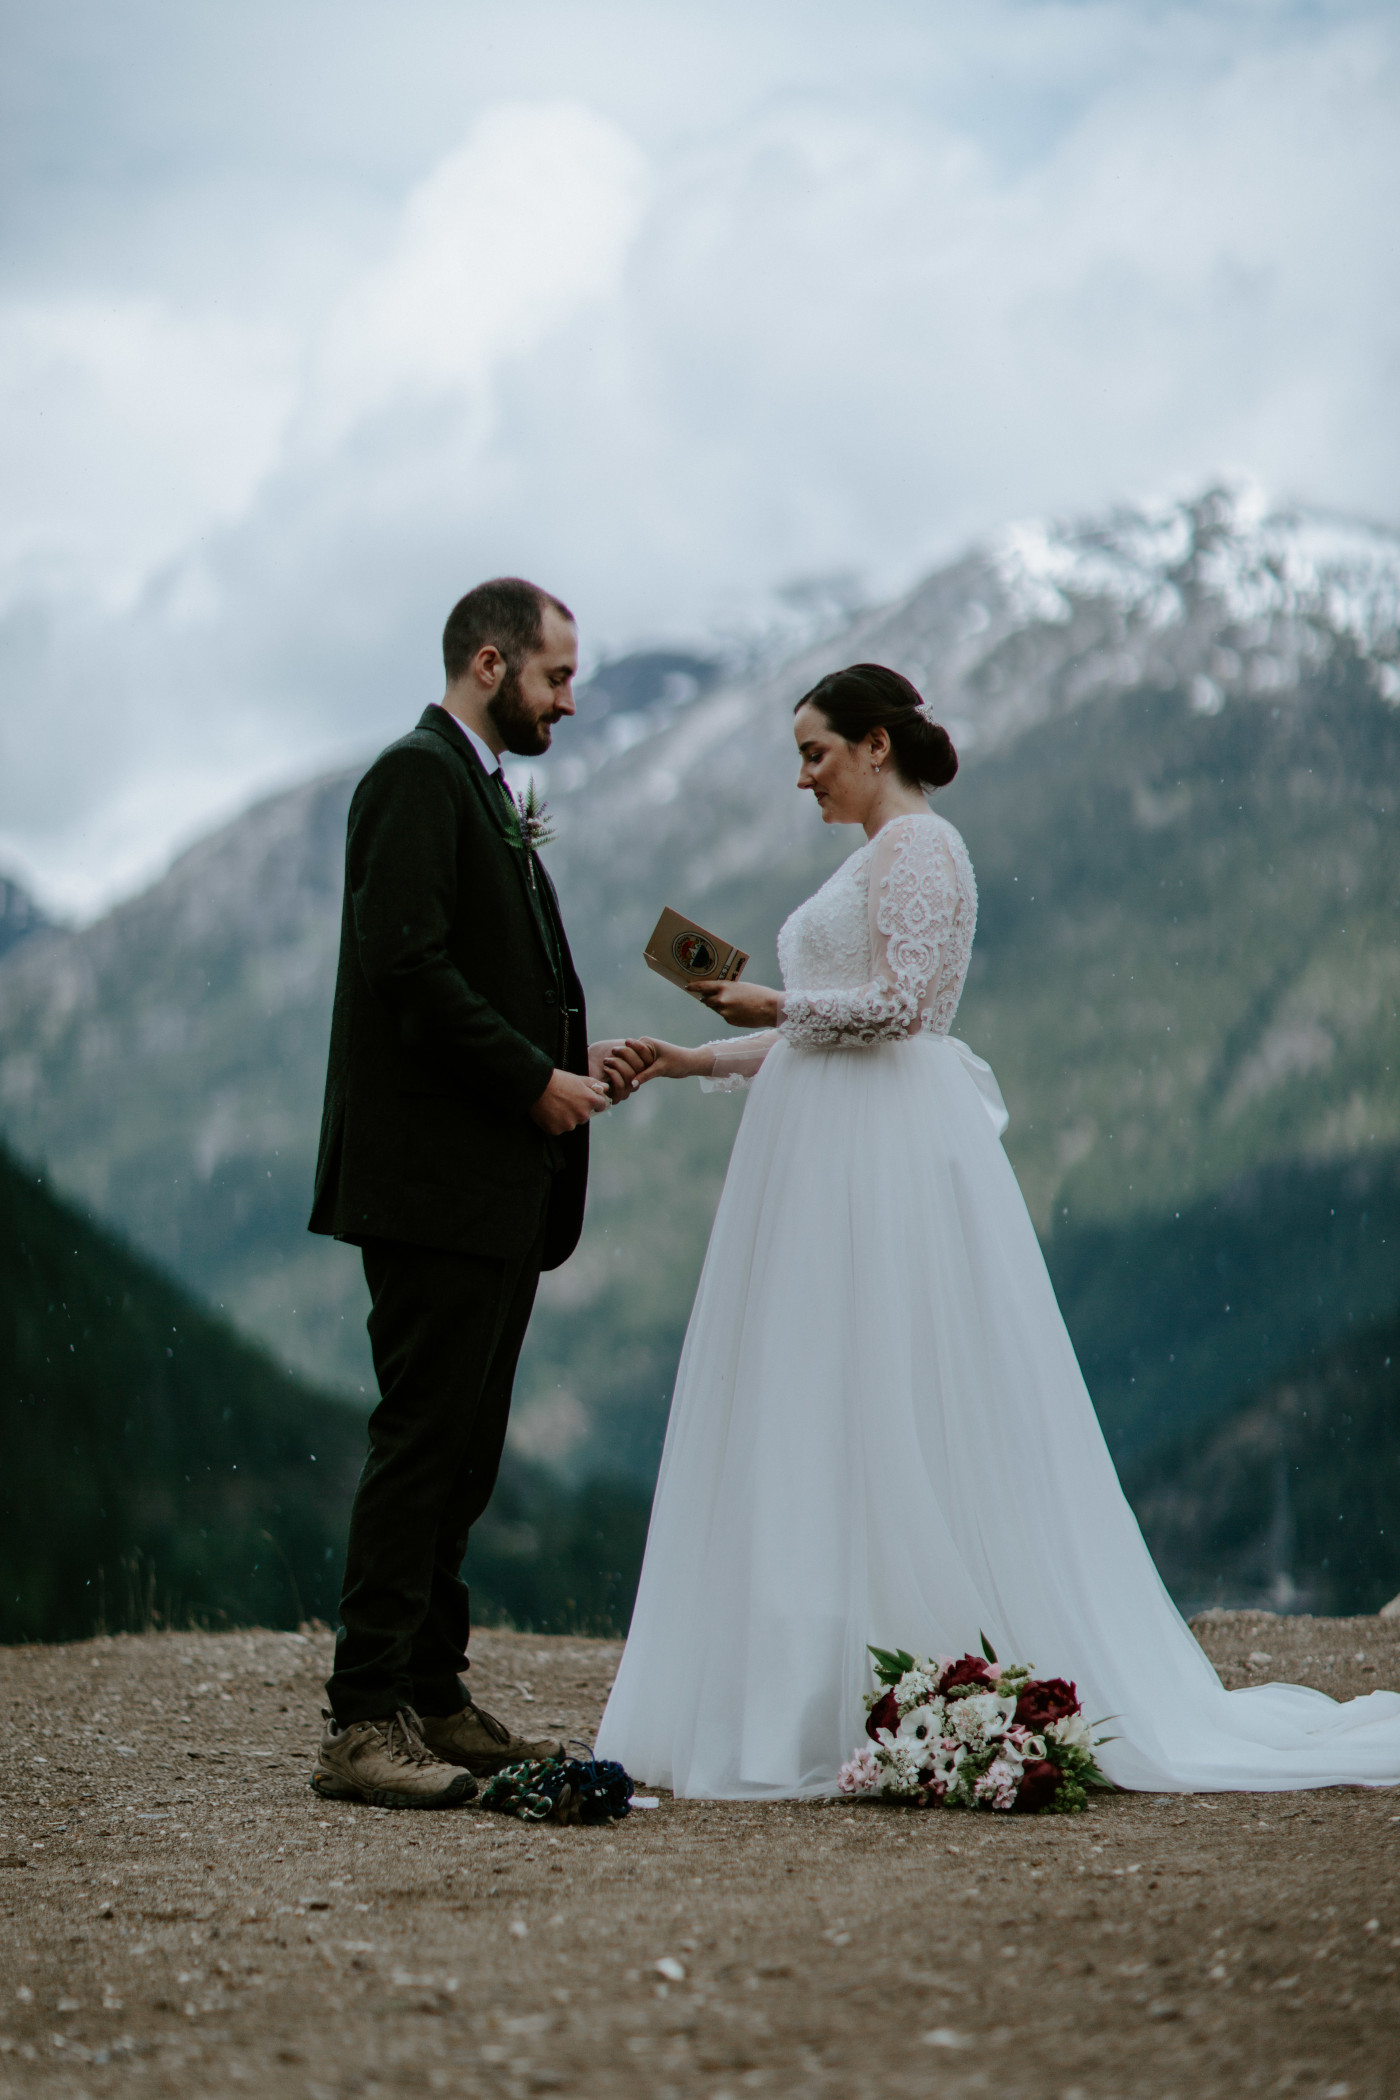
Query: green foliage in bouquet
[891,1664]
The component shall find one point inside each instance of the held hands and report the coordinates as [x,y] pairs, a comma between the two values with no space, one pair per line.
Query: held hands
[743,1005]
[617,1068]
[618,1064]
[614,1068]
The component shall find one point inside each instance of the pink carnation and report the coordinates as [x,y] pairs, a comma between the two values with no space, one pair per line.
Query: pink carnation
[860,1774]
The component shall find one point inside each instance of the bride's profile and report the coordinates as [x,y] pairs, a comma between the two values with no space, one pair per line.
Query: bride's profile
[879,1432]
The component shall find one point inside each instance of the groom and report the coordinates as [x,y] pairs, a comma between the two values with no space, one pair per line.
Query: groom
[454,1154]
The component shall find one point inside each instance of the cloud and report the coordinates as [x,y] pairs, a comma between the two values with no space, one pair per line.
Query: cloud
[126,429]
[511,232]
[737,309]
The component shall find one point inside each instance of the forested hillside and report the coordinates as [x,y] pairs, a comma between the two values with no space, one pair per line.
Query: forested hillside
[1293,1503]
[155,1462]
[159,1469]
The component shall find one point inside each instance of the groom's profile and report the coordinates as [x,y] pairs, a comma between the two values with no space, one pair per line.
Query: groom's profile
[454,1154]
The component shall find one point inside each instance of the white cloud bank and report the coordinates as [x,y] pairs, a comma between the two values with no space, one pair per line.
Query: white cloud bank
[663,362]
[505,239]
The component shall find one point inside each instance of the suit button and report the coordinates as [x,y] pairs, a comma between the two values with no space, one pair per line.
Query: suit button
[550,995]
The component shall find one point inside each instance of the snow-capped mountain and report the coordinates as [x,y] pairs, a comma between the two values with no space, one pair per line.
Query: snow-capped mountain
[1217,599]
[1180,729]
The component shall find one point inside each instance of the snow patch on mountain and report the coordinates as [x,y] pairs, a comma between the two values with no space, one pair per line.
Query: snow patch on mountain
[1257,566]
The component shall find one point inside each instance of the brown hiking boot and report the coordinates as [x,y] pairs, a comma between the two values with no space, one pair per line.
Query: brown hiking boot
[479,1741]
[387,1764]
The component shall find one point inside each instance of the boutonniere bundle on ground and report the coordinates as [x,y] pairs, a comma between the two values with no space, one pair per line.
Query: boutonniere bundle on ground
[974,1733]
[561,1790]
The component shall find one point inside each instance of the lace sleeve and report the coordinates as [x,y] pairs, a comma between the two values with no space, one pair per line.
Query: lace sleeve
[913,898]
[737,1059]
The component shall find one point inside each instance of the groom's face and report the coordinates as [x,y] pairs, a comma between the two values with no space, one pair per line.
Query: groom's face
[536,694]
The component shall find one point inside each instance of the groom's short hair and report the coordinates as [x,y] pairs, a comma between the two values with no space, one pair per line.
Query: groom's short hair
[507,613]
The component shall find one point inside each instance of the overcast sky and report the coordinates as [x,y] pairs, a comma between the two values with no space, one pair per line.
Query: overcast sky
[315,311]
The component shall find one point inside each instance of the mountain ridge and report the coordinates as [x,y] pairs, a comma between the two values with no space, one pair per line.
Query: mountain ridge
[1181,751]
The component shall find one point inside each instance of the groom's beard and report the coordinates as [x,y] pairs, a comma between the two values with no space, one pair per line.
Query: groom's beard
[522,733]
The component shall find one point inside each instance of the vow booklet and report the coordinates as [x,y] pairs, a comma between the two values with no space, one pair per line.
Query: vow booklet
[682,951]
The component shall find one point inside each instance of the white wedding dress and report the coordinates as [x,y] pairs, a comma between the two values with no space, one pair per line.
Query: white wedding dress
[880,1432]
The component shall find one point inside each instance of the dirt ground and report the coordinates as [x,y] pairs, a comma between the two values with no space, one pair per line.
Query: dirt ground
[180,1915]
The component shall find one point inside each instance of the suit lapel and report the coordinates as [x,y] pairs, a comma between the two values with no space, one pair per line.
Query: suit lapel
[493,807]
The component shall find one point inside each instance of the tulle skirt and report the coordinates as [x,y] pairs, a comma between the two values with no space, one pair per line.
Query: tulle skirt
[880,1434]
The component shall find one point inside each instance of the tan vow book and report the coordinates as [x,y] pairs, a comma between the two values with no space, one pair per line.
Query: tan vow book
[683,951]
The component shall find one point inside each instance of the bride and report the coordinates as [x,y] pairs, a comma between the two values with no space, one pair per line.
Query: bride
[879,1431]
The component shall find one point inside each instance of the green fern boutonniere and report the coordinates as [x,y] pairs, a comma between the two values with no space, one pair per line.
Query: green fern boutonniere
[533,827]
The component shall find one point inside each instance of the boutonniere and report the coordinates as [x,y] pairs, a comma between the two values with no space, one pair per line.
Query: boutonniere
[533,827]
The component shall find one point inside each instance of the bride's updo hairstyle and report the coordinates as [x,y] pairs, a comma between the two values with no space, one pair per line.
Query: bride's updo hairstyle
[870,696]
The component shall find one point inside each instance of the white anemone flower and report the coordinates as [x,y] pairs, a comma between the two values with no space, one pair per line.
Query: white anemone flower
[922,1724]
[947,1759]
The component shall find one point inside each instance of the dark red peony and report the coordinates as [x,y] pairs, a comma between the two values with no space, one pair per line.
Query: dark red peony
[1040,1782]
[971,1670]
[883,1714]
[1043,1700]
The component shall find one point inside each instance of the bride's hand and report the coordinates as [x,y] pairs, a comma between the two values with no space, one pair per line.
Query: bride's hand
[742,1005]
[670,1060]
[617,1065]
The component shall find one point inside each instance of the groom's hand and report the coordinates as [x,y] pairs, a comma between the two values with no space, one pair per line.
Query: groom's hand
[619,1065]
[567,1101]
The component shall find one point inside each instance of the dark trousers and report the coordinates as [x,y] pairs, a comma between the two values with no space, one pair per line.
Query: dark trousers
[446,1331]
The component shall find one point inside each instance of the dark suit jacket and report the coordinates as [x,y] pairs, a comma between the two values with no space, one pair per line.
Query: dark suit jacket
[455,998]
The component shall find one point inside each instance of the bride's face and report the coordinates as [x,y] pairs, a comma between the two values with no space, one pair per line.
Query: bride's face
[842,776]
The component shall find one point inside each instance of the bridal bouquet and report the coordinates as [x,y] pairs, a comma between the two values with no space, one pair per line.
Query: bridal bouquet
[974,1734]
